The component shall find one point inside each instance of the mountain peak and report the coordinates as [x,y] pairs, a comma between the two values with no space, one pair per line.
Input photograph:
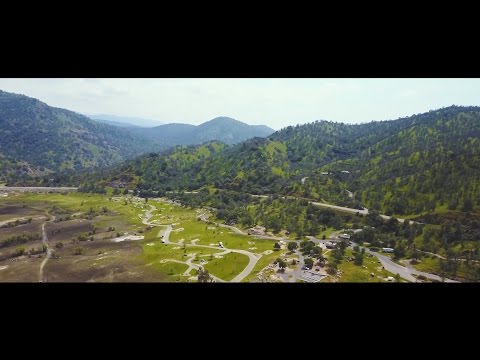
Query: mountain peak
[223,120]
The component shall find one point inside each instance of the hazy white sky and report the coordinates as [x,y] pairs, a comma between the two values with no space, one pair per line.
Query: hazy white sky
[273,102]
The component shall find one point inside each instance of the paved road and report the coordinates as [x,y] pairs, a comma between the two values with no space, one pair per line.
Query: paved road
[233,228]
[148,216]
[405,273]
[354,211]
[341,208]
[36,189]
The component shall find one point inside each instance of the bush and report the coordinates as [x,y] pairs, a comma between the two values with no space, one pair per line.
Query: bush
[79,251]
[19,251]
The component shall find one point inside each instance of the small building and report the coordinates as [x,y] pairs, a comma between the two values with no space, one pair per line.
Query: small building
[345,236]
[387,250]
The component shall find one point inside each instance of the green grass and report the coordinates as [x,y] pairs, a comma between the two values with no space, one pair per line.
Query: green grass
[327,232]
[430,265]
[227,267]
[79,202]
[194,229]
[173,270]
[354,273]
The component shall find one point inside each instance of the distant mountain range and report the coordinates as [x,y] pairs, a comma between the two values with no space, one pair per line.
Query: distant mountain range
[125,121]
[37,139]
[224,129]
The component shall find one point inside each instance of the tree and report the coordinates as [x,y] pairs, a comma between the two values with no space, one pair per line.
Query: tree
[309,263]
[79,251]
[399,251]
[397,277]
[467,205]
[276,246]
[204,276]
[358,259]
[317,251]
[282,265]
[292,246]
[332,268]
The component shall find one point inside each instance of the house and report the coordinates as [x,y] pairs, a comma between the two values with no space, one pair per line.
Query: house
[387,250]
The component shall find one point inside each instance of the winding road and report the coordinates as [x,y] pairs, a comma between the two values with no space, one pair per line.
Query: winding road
[49,251]
[404,272]
[253,258]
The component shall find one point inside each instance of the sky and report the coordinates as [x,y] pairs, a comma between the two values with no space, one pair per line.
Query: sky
[273,102]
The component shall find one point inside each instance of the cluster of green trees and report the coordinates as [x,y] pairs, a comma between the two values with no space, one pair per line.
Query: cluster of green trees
[20,239]
[406,166]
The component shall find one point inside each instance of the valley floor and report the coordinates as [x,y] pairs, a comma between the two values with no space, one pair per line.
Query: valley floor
[97,238]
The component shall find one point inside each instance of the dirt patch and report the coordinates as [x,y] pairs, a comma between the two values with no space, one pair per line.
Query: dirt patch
[66,230]
[267,252]
[118,262]
[18,210]
[128,238]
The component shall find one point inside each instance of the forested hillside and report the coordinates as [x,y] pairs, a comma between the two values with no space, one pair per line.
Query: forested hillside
[405,166]
[45,138]
[424,167]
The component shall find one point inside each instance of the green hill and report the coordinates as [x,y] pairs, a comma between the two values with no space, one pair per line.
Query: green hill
[46,139]
[403,167]
[224,129]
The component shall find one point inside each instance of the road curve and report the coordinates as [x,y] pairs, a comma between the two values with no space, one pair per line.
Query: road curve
[49,251]
[253,258]
[403,271]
